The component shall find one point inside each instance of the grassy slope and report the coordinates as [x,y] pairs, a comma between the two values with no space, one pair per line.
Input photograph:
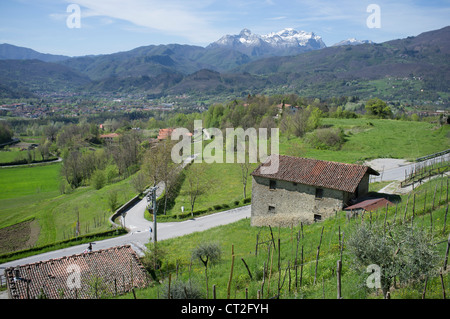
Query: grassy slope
[371,138]
[366,139]
[243,237]
[23,187]
[34,192]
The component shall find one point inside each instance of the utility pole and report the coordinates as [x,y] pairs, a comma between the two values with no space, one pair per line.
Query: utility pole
[151,198]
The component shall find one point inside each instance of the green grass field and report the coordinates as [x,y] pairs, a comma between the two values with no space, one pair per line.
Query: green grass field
[372,138]
[33,192]
[366,139]
[224,187]
[176,255]
[22,187]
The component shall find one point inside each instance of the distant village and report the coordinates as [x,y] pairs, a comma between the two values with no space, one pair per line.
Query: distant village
[26,110]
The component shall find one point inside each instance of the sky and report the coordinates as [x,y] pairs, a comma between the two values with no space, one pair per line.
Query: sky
[84,27]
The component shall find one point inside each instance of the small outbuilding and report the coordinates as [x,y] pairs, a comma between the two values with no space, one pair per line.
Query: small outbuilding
[305,190]
[367,205]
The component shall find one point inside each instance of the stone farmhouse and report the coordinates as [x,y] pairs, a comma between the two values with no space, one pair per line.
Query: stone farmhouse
[305,190]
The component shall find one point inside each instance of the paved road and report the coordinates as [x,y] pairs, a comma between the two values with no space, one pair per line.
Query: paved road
[139,227]
[139,234]
[396,170]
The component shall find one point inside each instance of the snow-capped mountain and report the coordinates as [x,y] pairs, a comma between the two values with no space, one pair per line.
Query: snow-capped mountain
[285,42]
[352,41]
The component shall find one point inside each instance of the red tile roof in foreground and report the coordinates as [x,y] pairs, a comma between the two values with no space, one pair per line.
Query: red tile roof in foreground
[340,176]
[105,271]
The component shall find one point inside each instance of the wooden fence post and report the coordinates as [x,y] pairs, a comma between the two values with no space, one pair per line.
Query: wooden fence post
[248,270]
[168,290]
[413,210]
[425,287]
[231,272]
[434,197]
[446,253]
[445,220]
[301,268]
[317,256]
[442,284]
[406,208]
[338,275]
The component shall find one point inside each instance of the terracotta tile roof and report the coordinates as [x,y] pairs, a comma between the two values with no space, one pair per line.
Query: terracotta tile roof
[165,133]
[340,176]
[110,135]
[112,270]
[370,204]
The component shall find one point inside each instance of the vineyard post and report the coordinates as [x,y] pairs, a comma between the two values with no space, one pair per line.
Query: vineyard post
[317,256]
[338,274]
[231,272]
[446,254]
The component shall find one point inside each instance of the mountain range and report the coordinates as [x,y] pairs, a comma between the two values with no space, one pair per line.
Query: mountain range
[290,60]
[285,42]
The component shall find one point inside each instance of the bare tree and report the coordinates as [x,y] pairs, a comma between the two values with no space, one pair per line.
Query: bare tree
[245,167]
[196,183]
[159,167]
[71,169]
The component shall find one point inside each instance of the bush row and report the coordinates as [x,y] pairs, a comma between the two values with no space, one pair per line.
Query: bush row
[64,243]
[211,209]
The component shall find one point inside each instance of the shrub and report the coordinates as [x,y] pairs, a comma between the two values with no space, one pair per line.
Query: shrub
[326,138]
[182,290]
[98,179]
[404,252]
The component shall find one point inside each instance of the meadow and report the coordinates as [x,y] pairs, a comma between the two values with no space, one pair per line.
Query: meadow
[34,193]
[374,138]
[366,139]
[286,261]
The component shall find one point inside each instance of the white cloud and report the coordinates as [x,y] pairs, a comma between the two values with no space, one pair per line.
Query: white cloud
[187,18]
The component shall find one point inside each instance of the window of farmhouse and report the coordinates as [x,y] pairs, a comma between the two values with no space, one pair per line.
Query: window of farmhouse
[319,193]
[272,184]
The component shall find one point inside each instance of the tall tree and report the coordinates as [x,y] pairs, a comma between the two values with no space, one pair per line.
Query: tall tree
[196,183]
[159,167]
[378,108]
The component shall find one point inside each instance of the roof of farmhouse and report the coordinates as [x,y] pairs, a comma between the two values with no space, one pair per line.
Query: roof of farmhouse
[333,175]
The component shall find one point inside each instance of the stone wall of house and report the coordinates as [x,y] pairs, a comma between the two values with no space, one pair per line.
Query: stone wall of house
[363,187]
[291,203]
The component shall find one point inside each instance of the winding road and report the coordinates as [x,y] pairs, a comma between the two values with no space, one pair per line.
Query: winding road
[139,227]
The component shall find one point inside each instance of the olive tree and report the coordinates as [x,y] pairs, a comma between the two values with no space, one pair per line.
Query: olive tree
[208,254]
[401,252]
